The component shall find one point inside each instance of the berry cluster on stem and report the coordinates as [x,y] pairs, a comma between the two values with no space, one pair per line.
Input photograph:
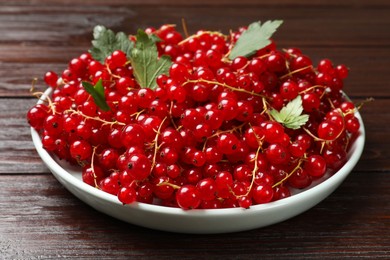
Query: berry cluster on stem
[204,137]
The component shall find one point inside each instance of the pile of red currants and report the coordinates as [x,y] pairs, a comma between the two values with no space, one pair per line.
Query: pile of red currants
[214,133]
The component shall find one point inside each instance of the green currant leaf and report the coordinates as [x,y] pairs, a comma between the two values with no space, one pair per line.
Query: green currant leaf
[291,115]
[147,66]
[106,42]
[97,93]
[256,37]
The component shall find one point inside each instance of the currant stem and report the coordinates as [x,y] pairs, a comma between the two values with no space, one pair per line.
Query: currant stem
[33,83]
[170,116]
[360,105]
[288,175]
[288,53]
[176,187]
[93,167]
[296,71]
[254,171]
[311,88]
[224,85]
[137,114]
[225,58]
[111,123]
[200,34]
[259,140]
[184,25]
[323,141]
[239,127]
[47,99]
[317,139]
[156,146]
[255,168]
[166,25]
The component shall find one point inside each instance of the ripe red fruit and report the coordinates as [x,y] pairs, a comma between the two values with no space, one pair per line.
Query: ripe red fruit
[36,116]
[262,193]
[127,195]
[138,166]
[188,197]
[116,59]
[289,90]
[51,79]
[315,166]
[80,150]
[200,132]
[277,154]
[227,143]
[133,135]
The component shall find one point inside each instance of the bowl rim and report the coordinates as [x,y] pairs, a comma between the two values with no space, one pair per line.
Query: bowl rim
[353,154]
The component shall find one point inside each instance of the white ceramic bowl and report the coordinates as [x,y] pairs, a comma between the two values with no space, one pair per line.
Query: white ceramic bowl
[199,221]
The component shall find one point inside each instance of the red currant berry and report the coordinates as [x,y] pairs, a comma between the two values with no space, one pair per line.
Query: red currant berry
[277,154]
[80,150]
[138,166]
[188,197]
[227,143]
[262,193]
[315,166]
[127,195]
[51,79]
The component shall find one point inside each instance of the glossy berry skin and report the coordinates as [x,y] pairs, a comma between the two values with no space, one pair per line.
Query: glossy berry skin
[277,154]
[179,72]
[53,125]
[172,138]
[352,124]
[118,59]
[300,62]
[80,150]
[51,79]
[328,130]
[110,184]
[133,135]
[229,108]
[273,131]
[92,175]
[108,158]
[202,136]
[127,195]
[188,197]
[138,166]
[227,143]
[207,188]
[289,90]
[281,192]
[276,62]
[310,102]
[299,179]
[36,116]
[144,97]
[262,193]
[315,166]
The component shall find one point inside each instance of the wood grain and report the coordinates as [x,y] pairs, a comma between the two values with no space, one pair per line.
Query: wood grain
[41,220]
[54,224]
[316,3]
[70,24]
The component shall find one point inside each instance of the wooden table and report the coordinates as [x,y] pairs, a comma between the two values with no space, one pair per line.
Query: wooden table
[39,219]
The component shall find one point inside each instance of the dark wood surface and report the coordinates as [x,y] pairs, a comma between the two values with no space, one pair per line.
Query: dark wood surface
[39,219]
